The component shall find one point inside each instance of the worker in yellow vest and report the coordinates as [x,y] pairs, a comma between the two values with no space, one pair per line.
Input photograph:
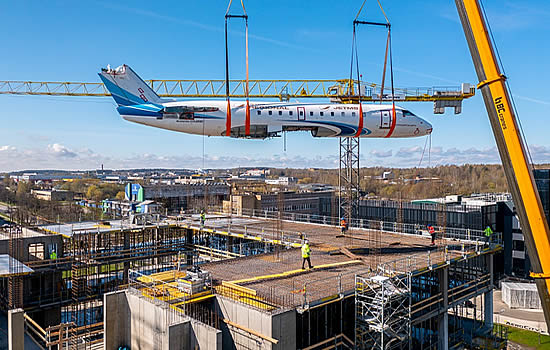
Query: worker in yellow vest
[306,253]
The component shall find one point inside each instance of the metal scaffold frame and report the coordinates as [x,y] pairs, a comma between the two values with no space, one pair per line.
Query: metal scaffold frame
[348,180]
[383,311]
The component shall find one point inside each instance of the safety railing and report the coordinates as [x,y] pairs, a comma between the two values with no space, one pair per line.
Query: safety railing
[461,234]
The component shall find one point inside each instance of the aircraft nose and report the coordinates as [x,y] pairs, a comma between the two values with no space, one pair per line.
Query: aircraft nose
[425,127]
[428,127]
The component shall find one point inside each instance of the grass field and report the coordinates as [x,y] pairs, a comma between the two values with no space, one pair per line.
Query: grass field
[528,338]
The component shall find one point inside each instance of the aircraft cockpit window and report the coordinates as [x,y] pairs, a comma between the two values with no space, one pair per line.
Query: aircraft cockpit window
[407,114]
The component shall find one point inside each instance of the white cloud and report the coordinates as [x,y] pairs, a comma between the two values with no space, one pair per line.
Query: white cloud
[7,148]
[381,154]
[58,156]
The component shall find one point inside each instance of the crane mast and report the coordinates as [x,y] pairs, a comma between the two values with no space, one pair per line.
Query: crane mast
[511,146]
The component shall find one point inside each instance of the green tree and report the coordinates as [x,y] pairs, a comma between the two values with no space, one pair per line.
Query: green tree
[120,196]
[94,193]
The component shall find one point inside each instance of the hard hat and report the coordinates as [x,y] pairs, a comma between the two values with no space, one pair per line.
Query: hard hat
[306,241]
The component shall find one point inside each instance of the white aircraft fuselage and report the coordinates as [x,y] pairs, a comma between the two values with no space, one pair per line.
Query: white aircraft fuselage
[139,104]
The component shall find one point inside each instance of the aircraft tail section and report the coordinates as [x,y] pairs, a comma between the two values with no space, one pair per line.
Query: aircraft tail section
[126,87]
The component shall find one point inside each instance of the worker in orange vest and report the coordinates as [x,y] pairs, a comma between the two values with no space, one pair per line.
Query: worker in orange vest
[343,225]
[431,231]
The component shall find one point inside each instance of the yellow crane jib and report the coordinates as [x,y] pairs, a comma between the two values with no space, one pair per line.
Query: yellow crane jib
[511,145]
[337,90]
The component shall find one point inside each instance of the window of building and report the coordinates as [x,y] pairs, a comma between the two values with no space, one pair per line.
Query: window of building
[37,250]
[259,112]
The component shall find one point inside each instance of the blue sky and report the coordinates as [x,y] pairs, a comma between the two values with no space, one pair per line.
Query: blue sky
[71,41]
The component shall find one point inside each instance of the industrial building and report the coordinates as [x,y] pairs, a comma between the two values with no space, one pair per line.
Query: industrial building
[315,203]
[53,195]
[177,197]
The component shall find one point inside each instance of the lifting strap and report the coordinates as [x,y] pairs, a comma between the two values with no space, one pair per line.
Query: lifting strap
[227,88]
[354,51]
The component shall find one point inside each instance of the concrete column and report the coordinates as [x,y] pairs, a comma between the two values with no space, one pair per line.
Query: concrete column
[488,297]
[16,329]
[443,319]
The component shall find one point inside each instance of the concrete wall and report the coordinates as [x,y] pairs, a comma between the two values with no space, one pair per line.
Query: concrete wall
[134,321]
[281,326]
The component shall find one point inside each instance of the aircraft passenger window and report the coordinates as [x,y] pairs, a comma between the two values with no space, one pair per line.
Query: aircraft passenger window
[321,113]
[280,112]
[270,112]
[332,114]
[301,113]
[289,112]
[364,114]
[311,114]
[353,114]
[259,112]
[343,114]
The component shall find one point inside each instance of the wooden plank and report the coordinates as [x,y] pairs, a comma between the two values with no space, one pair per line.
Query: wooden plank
[251,331]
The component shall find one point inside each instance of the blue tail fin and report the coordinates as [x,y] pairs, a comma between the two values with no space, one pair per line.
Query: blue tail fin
[126,87]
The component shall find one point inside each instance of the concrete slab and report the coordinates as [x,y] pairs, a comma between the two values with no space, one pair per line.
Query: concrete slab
[10,266]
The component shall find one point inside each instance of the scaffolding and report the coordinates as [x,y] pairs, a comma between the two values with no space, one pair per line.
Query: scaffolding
[383,311]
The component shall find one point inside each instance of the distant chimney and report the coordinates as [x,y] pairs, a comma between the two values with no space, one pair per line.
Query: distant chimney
[101,167]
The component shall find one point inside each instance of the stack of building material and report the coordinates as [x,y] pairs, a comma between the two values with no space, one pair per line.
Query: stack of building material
[520,295]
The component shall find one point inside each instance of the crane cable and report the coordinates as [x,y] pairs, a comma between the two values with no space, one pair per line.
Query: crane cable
[227,88]
[388,49]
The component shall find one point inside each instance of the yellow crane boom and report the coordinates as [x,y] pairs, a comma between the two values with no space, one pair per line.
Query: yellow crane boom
[339,90]
[510,145]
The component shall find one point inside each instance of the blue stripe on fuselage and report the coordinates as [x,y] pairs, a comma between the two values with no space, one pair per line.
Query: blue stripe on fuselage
[143,110]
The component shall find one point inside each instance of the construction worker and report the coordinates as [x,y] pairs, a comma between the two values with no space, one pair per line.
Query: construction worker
[431,231]
[488,232]
[343,225]
[53,255]
[306,253]
[202,218]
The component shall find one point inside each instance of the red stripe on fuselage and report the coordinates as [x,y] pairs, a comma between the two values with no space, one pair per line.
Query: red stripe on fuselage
[228,120]
[247,120]
[393,122]
[360,126]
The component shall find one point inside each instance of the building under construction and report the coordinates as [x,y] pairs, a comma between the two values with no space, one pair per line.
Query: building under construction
[237,282]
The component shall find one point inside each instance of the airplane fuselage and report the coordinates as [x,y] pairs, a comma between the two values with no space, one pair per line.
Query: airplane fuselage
[270,119]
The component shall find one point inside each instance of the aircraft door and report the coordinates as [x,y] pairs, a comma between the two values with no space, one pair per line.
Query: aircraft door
[385,119]
[301,113]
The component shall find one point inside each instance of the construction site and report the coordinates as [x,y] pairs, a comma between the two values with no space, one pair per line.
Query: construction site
[237,281]
[238,264]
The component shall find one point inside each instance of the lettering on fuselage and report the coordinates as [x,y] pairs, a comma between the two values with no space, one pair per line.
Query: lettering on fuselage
[500,111]
[267,107]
